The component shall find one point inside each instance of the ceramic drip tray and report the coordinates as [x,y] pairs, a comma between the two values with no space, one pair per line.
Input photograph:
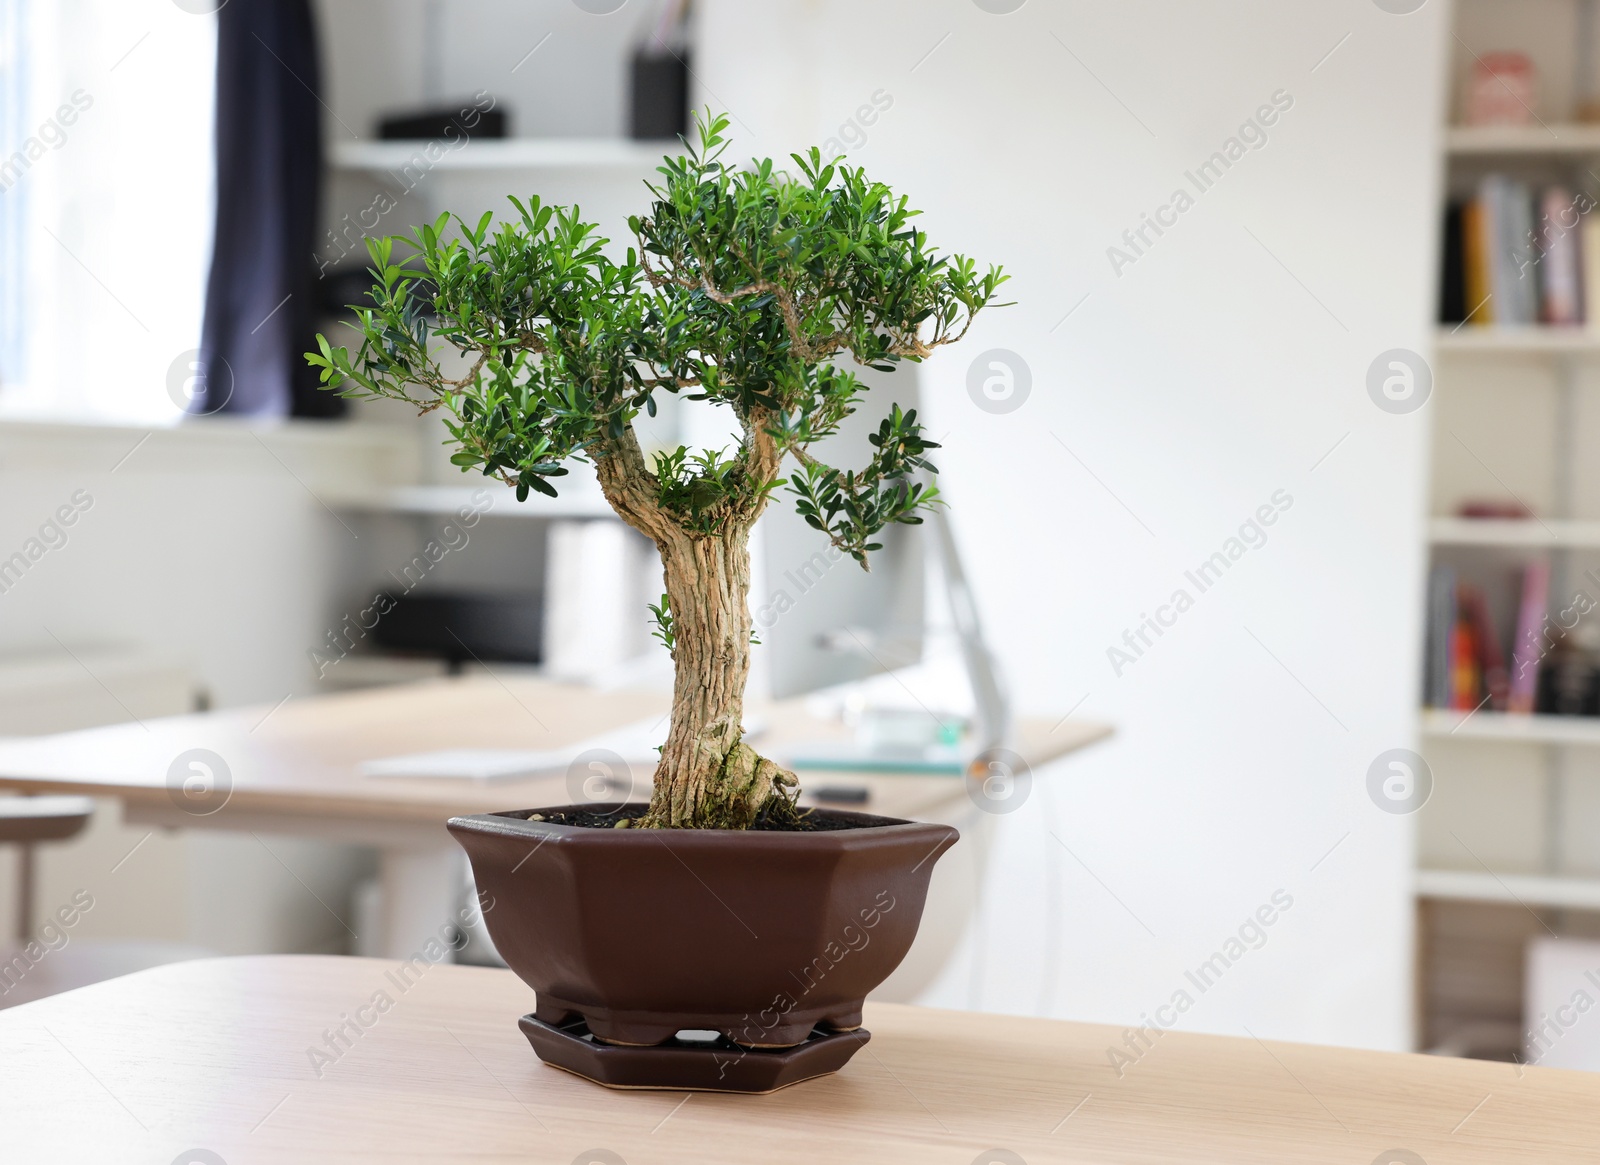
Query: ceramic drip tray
[714,1064]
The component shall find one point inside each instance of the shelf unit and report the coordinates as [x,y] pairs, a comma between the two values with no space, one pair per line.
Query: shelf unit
[1533,378]
[591,573]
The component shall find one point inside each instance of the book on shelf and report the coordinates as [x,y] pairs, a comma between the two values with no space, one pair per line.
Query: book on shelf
[1453,306]
[1516,255]
[1441,621]
[1488,671]
[1528,646]
[1465,672]
[1560,298]
[1474,266]
[1589,272]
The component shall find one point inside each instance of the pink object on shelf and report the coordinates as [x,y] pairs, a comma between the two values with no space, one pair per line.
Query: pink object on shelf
[1528,649]
[1502,90]
[1559,264]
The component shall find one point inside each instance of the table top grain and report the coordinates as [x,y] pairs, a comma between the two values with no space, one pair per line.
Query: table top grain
[231,1056]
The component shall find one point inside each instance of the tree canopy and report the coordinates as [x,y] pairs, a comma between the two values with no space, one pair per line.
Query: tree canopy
[744,286]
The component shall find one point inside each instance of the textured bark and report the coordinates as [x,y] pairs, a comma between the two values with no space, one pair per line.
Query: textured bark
[708,778]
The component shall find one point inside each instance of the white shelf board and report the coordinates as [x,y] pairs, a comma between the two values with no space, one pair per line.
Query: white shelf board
[1546,532]
[491,154]
[1516,889]
[573,502]
[1551,138]
[1512,340]
[1512,727]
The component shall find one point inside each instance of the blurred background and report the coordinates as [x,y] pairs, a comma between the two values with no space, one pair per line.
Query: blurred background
[1276,467]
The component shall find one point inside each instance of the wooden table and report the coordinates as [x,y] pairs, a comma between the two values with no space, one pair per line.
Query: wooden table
[294,769]
[214,1056]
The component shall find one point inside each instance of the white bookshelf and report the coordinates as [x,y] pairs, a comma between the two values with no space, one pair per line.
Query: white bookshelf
[1511,418]
[502,154]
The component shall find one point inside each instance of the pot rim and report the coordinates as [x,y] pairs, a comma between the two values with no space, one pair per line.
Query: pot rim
[514,823]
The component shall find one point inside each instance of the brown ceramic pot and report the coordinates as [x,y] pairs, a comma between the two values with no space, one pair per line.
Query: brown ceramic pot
[758,935]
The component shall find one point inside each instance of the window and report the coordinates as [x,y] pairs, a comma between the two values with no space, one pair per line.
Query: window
[105,204]
[13,198]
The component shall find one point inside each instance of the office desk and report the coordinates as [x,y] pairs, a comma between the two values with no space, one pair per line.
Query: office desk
[294,770]
[214,1056]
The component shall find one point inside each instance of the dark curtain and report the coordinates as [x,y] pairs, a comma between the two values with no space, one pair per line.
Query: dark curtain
[260,299]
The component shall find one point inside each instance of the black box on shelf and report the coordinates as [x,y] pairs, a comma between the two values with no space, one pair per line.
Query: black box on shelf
[444,124]
[658,96]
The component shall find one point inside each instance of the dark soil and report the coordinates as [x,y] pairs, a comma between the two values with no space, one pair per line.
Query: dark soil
[815,821]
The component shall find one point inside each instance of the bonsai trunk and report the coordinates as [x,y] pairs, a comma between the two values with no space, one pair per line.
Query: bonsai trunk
[708,778]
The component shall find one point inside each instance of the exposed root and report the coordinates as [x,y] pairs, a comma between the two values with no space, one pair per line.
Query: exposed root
[734,788]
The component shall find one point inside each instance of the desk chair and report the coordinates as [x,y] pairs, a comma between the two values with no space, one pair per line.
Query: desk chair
[25,822]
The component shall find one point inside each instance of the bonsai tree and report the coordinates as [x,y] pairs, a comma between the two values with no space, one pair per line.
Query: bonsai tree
[745,289]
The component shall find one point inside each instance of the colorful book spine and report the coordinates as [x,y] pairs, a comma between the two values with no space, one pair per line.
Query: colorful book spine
[1489,661]
[1520,242]
[1441,623]
[1589,236]
[1465,678]
[1559,260]
[1453,305]
[1503,296]
[1529,647]
[1475,264]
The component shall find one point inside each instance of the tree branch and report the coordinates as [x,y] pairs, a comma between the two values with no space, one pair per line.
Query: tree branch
[630,487]
[763,454]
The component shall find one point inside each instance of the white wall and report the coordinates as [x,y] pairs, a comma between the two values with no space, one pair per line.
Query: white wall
[1169,401]
[209,541]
